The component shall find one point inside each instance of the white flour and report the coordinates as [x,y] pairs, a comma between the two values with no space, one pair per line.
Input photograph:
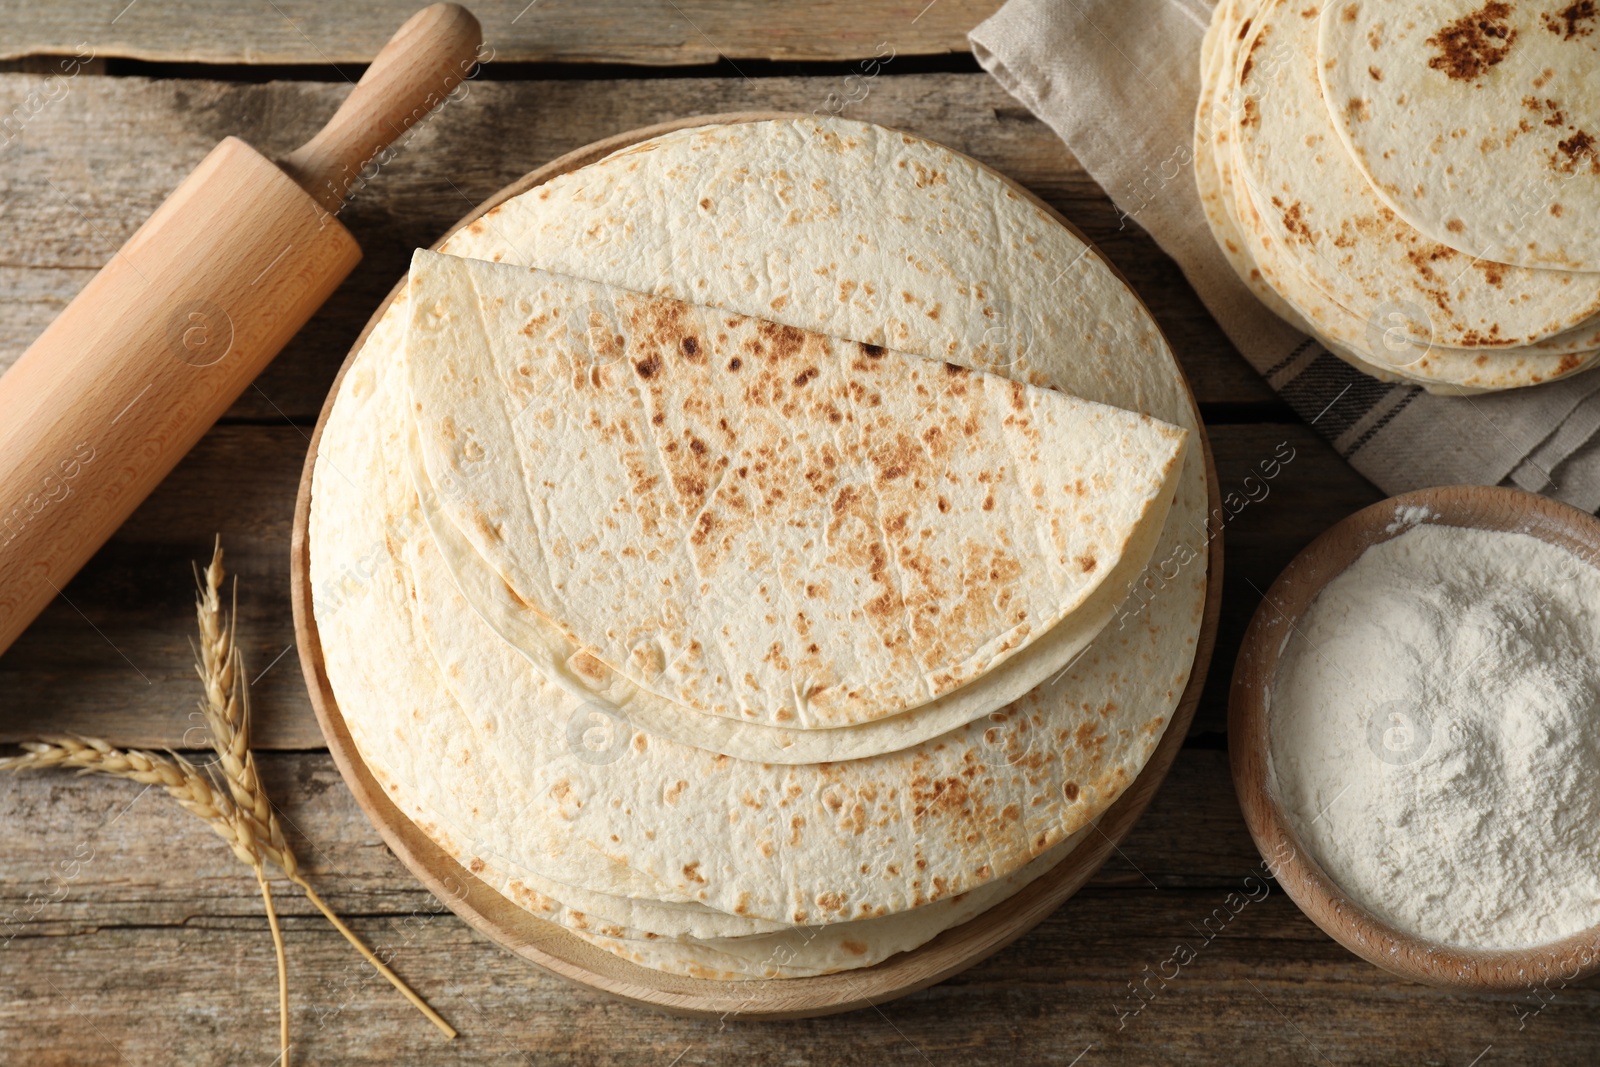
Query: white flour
[1435,736]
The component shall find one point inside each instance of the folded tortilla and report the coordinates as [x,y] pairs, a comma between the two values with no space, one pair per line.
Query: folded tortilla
[759,522]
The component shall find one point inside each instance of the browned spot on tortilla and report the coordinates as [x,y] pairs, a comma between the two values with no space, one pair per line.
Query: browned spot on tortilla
[587,665]
[1375,74]
[1455,226]
[1555,209]
[648,366]
[1572,21]
[805,376]
[1294,221]
[476,865]
[1085,736]
[1574,153]
[1250,57]
[690,346]
[691,871]
[1493,273]
[871,351]
[855,948]
[1474,42]
[735,363]
[1088,563]
[927,176]
[1423,260]
[1070,790]
[1568,362]
[1475,339]
[784,341]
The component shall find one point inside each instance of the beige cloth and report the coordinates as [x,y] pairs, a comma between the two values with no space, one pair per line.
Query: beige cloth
[1118,80]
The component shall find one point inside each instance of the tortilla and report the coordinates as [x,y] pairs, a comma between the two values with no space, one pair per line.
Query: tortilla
[866,210]
[802,952]
[616,699]
[761,522]
[1373,348]
[1213,156]
[1385,346]
[1477,122]
[1318,206]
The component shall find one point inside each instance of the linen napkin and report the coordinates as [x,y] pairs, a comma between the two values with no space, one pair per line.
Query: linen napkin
[1118,81]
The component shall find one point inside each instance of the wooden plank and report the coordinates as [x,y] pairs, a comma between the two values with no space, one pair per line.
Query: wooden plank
[597,31]
[81,176]
[1269,517]
[111,658]
[130,935]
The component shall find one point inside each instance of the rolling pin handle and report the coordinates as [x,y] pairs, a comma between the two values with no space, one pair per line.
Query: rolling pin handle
[426,59]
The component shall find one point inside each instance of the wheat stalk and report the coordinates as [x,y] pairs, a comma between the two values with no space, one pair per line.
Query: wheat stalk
[226,708]
[239,810]
[182,780]
[227,701]
[190,787]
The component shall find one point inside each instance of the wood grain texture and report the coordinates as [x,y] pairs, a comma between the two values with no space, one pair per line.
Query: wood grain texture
[80,176]
[595,31]
[153,950]
[1286,601]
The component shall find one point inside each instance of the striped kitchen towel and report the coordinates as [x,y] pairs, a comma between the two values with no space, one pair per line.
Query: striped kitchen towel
[1118,81]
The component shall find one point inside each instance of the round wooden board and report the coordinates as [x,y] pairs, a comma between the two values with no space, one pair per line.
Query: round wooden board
[559,952]
[1296,869]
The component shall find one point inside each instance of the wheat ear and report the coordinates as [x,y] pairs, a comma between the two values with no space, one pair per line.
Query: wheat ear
[182,780]
[226,708]
[227,698]
[189,786]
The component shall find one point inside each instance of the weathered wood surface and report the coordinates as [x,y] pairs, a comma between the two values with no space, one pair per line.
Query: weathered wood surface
[91,164]
[673,32]
[129,935]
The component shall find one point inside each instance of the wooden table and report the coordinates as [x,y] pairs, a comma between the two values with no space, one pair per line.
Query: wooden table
[128,934]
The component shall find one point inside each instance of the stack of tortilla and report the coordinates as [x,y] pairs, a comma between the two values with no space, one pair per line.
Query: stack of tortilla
[762,549]
[1414,182]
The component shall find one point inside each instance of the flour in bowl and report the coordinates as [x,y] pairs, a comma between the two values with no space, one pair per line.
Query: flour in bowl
[1435,736]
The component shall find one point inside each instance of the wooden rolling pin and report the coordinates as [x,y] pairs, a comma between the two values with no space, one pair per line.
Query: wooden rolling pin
[154,349]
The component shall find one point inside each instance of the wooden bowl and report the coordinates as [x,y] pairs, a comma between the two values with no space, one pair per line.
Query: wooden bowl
[552,948]
[1296,869]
